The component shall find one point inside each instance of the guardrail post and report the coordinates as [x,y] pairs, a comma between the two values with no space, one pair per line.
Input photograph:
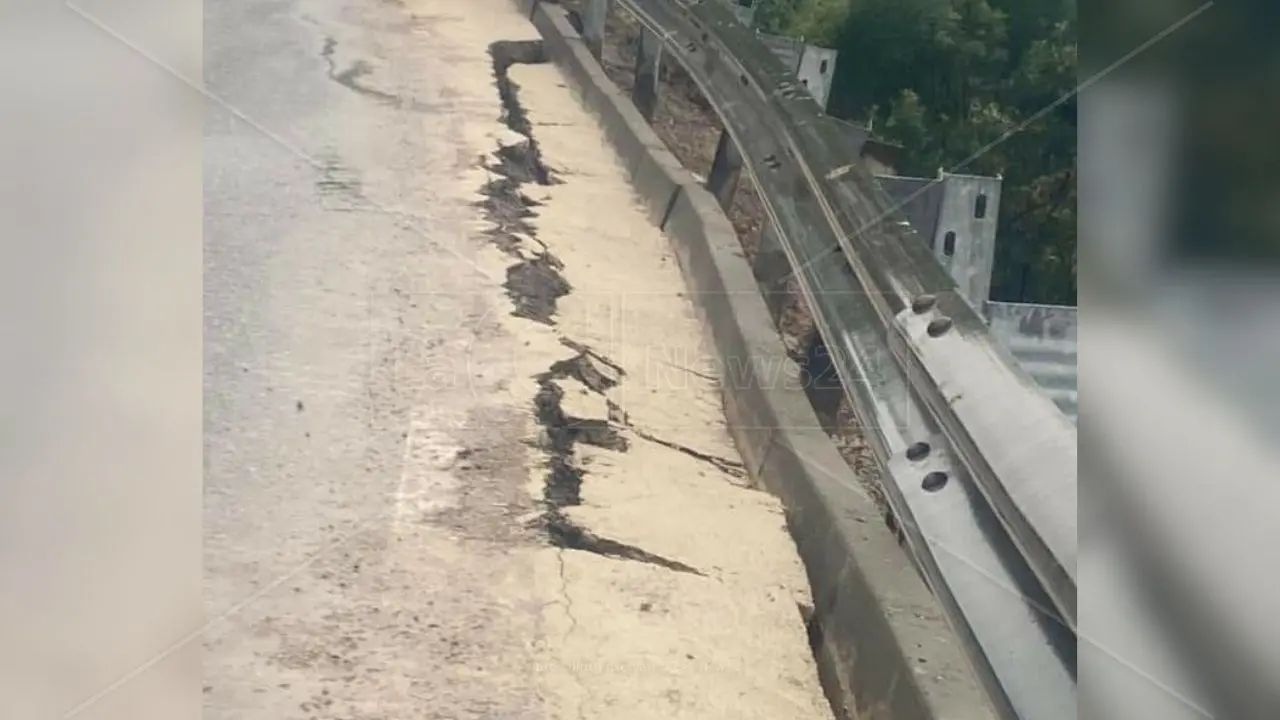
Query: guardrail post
[593,24]
[648,59]
[723,179]
[771,270]
[965,238]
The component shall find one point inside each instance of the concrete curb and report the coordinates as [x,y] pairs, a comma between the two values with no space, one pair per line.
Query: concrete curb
[884,650]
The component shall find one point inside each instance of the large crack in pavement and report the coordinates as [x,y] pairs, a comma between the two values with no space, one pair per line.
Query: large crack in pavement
[724,465]
[534,284]
[562,488]
[512,211]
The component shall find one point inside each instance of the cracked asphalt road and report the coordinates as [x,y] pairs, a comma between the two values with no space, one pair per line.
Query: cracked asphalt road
[376,543]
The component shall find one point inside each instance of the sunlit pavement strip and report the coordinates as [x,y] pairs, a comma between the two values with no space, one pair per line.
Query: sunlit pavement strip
[630,639]
[372,497]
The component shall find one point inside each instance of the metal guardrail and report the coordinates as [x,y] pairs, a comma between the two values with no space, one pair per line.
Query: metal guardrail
[979,465]
[813,65]
[786,49]
[1043,339]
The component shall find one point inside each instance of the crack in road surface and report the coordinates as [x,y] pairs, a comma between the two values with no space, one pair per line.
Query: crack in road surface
[535,282]
[533,285]
[563,483]
[407,469]
[350,79]
[729,467]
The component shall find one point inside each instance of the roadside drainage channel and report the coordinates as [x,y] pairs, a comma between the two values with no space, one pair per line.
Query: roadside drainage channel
[883,647]
[534,284]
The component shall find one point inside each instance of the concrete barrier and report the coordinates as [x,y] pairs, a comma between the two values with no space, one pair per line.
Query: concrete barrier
[883,647]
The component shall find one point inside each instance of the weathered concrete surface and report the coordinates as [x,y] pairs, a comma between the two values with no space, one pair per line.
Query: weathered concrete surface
[364,556]
[641,640]
[886,650]
[376,510]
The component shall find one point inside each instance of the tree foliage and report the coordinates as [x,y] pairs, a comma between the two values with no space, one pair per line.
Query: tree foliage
[977,86]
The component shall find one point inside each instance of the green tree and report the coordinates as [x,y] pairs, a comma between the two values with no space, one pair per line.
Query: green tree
[819,21]
[964,85]
[775,16]
[1038,228]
